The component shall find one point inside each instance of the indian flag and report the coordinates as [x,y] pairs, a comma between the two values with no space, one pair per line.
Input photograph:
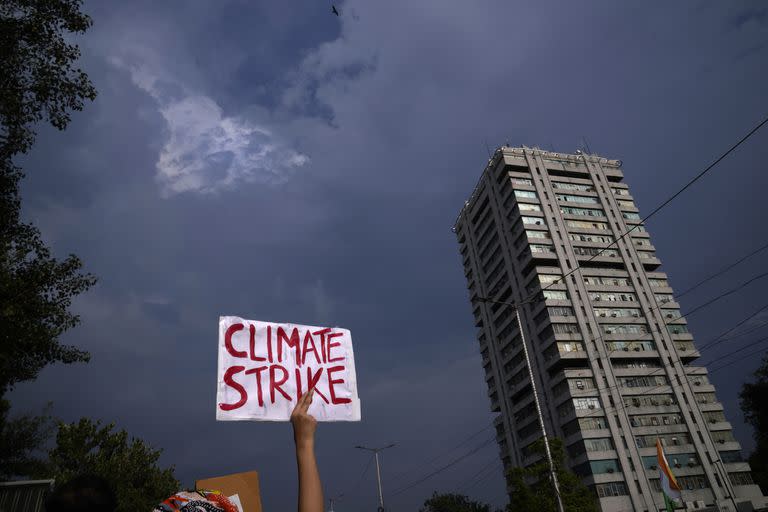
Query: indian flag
[669,485]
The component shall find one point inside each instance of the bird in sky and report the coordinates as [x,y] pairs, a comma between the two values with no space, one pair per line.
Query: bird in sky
[334,10]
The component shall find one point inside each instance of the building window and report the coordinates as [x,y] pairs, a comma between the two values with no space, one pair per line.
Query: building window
[630,215]
[577,199]
[536,221]
[626,346]
[624,328]
[677,329]
[617,313]
[548,278]
[572,186]
[741,478]
[580,224]
[540,248]
[555,295]
[611,489]
[525,194]
[586,212]
[526,207]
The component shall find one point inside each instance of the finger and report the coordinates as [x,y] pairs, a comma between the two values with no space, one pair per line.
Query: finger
[307,400]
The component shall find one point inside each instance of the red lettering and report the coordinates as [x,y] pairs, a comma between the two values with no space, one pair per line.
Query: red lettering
[312,383]
[258,371]
[331,345]
[232,329]
[294,342]
[298,383]
[230,381]
[322,333]
[336,400]
[308,339]
[269,344]
[275,385]
[253,345]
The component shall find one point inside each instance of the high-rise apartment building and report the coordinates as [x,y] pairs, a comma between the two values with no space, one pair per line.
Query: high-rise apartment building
[611,357]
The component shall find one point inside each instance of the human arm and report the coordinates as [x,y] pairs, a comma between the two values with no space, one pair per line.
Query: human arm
[304,426]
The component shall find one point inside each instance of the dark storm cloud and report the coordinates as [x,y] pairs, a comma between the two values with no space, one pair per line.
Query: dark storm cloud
[392,110]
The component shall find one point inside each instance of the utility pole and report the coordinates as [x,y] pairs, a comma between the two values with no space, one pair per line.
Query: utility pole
[331,500]
[378,470]
[552,473]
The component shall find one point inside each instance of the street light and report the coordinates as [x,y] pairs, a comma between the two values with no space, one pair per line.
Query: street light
[378,470]
[331,500]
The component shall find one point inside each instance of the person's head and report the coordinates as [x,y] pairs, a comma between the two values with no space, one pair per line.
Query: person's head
[85,493]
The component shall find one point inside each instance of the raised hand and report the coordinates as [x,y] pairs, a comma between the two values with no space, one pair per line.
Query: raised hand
[304,424]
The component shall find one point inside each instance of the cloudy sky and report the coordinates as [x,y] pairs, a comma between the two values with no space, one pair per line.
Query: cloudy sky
[274,161]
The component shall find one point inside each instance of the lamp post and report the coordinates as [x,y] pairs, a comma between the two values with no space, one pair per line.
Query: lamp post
[552,473]
[378,470]
[331,500]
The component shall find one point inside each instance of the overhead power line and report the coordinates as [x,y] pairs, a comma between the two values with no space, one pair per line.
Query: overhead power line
[443,468]
[745,356]
[723,270]
[441,453]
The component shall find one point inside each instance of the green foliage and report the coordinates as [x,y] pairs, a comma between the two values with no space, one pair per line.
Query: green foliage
[130,465]
[38,80]
[36,291]
[22,440]
[532,487]
[453,503]
[754,404]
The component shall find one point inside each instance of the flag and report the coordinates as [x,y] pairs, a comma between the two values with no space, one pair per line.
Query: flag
[669,485]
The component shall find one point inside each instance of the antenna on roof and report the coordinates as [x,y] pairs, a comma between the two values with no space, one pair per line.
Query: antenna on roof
[586,144]
[487,148]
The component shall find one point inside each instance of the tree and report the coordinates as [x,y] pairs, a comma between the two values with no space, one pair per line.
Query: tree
[754,404]
[37,76]
[532,487]
[37,82]
[130,465]
[453,503]
[21,440]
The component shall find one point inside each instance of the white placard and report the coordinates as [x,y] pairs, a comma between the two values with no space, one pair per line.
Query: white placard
[265,366]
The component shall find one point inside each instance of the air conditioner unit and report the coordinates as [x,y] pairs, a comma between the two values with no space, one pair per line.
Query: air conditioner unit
[602,314]
[591,406]
[614,315]
[610,470]
[637,349]
[697,383]
[677,464]
[669,402]
[636,315]
[721,441]
[654,466]
[626,349]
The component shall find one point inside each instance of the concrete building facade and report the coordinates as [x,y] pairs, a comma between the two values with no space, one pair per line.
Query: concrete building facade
[611,357]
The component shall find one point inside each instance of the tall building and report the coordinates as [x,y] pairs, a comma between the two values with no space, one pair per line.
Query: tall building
[604,350]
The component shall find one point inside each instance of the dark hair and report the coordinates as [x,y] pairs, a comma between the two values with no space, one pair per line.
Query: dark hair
[84,493]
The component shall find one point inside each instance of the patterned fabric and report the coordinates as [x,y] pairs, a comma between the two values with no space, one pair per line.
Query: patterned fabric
[196,501]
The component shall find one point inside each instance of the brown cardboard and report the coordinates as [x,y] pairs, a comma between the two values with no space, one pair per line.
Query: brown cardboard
[246,485]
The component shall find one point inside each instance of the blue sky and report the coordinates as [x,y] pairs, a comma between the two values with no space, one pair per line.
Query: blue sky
[273,161]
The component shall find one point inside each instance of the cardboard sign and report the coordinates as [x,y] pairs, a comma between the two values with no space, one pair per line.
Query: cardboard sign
[264,367]
[243,485]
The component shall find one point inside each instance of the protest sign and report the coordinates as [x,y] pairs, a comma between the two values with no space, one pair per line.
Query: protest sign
[265,366]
